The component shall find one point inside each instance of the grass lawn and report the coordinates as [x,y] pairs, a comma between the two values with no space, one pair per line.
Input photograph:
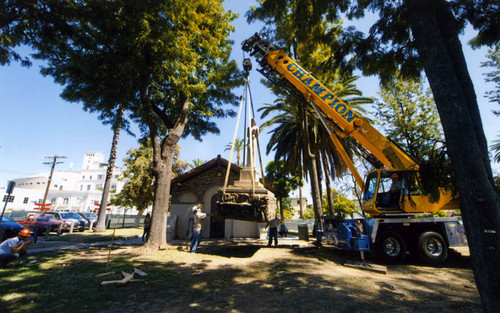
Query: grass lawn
[65,281]
[90,237]
[229,277]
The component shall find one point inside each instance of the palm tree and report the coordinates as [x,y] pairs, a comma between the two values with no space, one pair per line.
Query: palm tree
[495,147]
[291,140]
[239,145]
[288,140]
[196,162]
[299,136]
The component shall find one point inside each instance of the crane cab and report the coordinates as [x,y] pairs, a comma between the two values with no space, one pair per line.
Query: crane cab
[399,192]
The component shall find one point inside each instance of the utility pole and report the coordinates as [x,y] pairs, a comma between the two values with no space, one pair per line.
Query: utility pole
[53,165]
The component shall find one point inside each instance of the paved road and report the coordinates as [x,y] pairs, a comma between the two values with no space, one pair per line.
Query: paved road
[44,246]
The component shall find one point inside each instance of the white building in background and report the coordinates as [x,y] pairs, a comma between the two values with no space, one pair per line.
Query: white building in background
[295,204]
[72,190]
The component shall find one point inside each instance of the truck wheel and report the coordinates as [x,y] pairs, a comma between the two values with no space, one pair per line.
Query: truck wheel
[391,247]
[432,248]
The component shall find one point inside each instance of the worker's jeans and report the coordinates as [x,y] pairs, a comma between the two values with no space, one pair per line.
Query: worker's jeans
[196,241]
[273,233]
[5,258]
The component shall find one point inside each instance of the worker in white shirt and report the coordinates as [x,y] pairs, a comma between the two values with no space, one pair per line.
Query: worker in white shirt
[198,217]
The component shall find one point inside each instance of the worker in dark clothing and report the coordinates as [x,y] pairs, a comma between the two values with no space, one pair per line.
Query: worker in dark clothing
[395,190]
[283,229]
[147,227]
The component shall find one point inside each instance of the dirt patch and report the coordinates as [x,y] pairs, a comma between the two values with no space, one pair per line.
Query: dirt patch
[252,278]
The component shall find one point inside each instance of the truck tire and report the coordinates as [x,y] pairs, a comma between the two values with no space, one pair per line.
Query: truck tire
[391,247]
[432,248]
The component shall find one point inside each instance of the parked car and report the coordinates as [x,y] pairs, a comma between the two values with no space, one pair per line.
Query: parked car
[10,228]
[71,217]
[89,216]
[42,221]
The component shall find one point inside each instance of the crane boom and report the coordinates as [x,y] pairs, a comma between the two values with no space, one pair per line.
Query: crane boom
[347,122]
[344,123]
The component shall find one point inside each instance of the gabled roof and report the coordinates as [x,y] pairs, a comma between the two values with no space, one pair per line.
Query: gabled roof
[214,163]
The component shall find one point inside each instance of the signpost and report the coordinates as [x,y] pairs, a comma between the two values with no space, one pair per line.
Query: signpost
[9,190]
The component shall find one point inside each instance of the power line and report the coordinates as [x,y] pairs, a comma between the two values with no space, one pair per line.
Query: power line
[53,165]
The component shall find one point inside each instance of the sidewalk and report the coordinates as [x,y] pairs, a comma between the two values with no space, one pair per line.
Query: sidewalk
[45,246]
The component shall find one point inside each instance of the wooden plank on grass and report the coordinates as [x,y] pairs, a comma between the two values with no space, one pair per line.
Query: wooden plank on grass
[104,274]
[120,282]
[126,278]
[139,272]
[367,266]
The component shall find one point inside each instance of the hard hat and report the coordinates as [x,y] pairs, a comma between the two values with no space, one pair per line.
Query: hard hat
[394,175]
[25,233]
[194,208]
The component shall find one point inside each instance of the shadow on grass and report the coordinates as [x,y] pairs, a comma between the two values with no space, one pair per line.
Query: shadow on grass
[65,282]
[230,251]
[455,259]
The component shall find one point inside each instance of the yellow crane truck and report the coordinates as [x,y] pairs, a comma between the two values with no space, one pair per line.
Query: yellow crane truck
[398,216]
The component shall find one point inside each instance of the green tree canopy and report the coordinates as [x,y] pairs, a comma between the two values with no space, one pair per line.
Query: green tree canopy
[196,162]
[494,95]
[282,182]
[166,62]
[408,115]
[342,205]
[138,190]
[493,76]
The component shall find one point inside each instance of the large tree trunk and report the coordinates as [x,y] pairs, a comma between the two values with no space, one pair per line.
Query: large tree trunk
[282,215]
[435,32]
[138,217]
[101,219]
[163,156]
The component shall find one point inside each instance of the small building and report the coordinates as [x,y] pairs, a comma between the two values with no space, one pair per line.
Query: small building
[201,185]
[295,204]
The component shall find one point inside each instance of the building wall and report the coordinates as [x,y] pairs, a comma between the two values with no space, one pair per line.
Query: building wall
[20,199]
[201,189]
[295,203]
[73,190]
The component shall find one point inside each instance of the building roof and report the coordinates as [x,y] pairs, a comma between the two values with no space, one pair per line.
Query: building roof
[214,163]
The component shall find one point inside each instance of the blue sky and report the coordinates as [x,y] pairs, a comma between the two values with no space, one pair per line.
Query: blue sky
[35,122]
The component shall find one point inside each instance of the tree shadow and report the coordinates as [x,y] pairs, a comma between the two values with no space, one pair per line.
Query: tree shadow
[230,251]
[65,281]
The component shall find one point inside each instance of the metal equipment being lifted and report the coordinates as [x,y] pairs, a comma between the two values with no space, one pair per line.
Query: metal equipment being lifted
[247,199]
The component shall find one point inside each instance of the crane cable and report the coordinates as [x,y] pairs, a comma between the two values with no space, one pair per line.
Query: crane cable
[257,139]
[251,113]
[234,137]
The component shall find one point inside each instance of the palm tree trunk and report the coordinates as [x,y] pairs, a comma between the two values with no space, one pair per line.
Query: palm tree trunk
[282,215]
[301,209]
[313,172]
[101,220]
[329,194]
